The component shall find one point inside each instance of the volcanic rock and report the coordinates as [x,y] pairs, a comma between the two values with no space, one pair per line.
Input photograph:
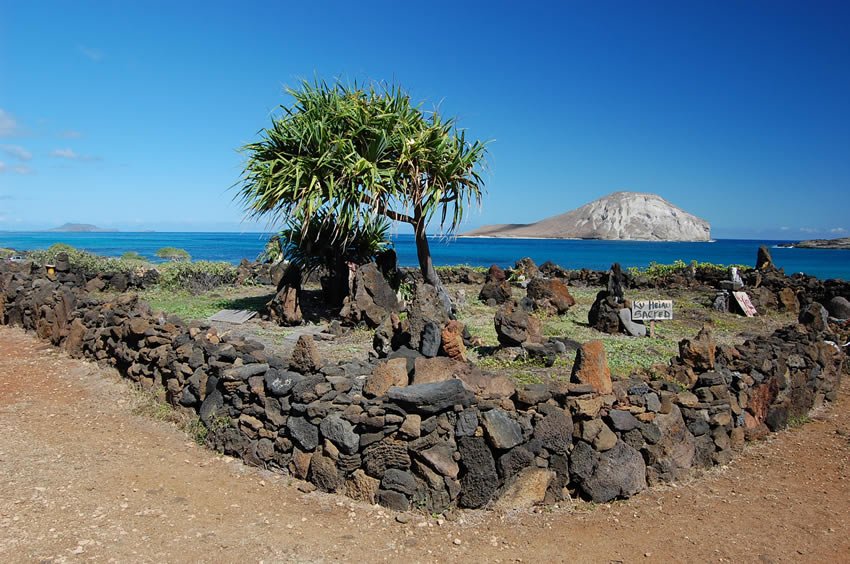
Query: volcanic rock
[372,299]
[699,353]
[432,398]
[426,317]
[618,472]
[515,326]
[496,287]
[591,367]
[839,307]
[480,479]
[550,295]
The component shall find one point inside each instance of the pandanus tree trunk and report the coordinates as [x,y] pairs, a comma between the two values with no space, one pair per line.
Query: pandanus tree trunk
[426,264]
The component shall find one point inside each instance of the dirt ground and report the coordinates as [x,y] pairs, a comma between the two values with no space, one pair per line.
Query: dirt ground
[83,478]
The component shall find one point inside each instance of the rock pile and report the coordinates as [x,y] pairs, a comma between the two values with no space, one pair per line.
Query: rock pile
[372,299]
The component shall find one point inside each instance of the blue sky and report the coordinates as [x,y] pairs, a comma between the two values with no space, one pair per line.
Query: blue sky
[128,114]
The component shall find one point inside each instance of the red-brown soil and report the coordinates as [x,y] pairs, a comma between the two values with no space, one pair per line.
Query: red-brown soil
[83,478]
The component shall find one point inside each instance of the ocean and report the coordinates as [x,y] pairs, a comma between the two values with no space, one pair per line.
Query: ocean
[572,254]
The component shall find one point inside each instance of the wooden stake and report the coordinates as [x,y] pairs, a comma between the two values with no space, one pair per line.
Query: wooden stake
[651,328]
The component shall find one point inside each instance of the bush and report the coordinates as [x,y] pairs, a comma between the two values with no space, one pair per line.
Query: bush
[90,263]
[196,276]
[173,253]
[657,271]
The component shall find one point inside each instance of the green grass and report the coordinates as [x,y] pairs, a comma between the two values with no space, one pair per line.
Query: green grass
[6,253]
[478,318]
[626,355]
[526,377]
[201,306]
[798,421]
[151,403]
[481,269]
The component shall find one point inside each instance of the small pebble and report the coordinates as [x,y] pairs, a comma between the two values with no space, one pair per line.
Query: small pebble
[306,487]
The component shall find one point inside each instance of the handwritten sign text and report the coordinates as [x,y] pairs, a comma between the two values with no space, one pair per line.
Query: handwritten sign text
[648,310]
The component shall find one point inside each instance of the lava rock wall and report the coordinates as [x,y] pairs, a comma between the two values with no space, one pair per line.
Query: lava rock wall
[430,433]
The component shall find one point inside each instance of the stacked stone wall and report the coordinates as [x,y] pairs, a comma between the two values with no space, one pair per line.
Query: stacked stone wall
[414,432]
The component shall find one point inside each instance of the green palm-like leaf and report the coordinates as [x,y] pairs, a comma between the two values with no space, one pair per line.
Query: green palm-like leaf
[339,155]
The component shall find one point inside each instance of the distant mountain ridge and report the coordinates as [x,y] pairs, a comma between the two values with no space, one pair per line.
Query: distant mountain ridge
[633,216]
[80,228]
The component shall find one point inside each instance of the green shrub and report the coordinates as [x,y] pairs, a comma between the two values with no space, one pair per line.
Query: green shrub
[655,270]
[89,263]
[196,276]
[482,269]
[174,254]
[6,253]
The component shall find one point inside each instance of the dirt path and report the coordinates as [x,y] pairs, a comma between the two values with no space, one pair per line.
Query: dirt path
[82,478]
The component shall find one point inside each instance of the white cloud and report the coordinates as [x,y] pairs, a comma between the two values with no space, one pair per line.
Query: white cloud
[837,230]
[64,154]
[17,152]
[784,228]
[70,134]
[72,155]
[20,169]
[8,125]
[90,53]
[808,229]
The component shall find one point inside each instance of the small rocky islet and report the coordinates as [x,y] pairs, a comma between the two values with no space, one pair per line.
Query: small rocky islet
[840,243]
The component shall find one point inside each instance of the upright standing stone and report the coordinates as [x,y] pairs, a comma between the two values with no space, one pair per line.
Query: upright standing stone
[763,260]
[372,299]
[496,287]
[305,355]
[700,351]
[591,367]
[615,282]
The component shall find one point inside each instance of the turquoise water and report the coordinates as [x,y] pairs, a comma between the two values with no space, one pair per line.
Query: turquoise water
[232,247]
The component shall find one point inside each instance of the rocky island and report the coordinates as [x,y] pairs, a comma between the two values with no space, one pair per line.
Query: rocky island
[79,228]
[619,216]
[841,243]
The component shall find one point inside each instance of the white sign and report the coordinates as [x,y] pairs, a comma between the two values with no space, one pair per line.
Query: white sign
[648,310]
[746,305]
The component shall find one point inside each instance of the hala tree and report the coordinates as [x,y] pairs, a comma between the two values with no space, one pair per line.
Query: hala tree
[347,154]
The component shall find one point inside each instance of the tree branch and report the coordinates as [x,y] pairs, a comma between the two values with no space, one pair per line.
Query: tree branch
[397,216]
[394,215]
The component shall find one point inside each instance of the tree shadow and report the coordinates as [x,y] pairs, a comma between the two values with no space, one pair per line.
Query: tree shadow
[315,308]
[248,303]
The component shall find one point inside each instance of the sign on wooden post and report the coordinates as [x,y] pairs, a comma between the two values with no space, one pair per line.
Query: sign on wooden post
[652,310]
[649,310]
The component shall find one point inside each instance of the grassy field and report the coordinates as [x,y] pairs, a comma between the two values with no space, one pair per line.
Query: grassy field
[626,355]
[201,306]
